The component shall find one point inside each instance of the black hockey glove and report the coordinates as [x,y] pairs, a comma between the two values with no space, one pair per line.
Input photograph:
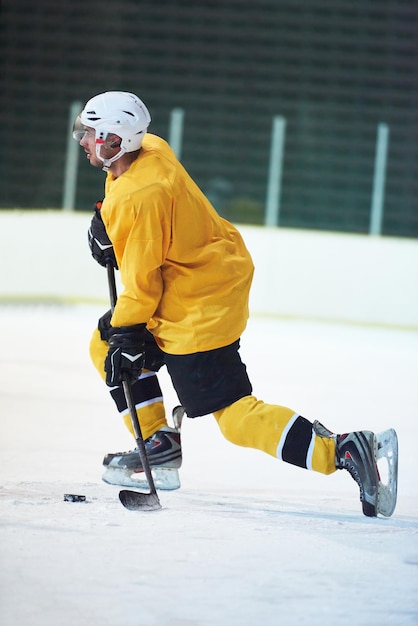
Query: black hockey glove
[100,245]
[126,355]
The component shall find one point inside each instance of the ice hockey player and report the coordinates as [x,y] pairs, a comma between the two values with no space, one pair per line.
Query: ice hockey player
[186,277]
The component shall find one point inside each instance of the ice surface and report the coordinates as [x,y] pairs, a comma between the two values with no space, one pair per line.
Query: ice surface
[246,540]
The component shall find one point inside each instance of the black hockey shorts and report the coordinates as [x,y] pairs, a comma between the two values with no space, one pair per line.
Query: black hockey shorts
[154,356]
[209,381]
[204,381]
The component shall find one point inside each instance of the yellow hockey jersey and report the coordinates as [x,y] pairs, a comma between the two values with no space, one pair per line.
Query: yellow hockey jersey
[185,270]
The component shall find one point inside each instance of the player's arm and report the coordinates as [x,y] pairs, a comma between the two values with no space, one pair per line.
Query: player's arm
[141,231]
[100,245]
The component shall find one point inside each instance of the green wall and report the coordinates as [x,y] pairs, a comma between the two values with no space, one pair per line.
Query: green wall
[334,69]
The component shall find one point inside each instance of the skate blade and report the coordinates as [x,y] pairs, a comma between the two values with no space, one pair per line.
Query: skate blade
[165,479]
[177,417]
[387,464]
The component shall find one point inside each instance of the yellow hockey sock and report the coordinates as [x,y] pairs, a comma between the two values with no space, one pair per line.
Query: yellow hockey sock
[151,418]
[278,431]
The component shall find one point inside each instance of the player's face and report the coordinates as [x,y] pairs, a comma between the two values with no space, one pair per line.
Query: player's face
[88,142]
[108,149]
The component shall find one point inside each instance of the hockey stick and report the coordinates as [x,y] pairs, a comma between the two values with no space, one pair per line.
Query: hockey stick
[134,500]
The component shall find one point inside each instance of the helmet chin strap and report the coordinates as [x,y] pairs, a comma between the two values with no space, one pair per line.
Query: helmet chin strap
[107,162]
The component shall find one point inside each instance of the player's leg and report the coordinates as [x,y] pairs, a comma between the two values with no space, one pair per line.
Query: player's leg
[162,442]
[216,382]
[278,431]
[146,392]
[284,434]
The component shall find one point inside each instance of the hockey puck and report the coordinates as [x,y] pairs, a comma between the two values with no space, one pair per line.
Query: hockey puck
[72,497]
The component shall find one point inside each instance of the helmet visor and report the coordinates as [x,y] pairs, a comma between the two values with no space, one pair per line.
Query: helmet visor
[78,129]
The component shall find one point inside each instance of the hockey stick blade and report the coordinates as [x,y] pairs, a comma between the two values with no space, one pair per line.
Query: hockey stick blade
[136,501]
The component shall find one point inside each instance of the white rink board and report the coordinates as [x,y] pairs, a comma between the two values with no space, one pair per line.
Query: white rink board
[299,273]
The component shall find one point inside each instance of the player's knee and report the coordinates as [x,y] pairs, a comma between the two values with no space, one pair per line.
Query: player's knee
[232,421]
[98,351]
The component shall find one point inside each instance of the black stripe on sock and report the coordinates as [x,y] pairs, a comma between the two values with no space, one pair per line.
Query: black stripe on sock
[143,390]
[295,449]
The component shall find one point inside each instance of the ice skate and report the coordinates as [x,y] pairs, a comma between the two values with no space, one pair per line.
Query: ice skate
[356,452]
[163,449]
[359,453]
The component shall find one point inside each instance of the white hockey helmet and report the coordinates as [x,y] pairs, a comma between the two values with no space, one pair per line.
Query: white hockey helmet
[118,112]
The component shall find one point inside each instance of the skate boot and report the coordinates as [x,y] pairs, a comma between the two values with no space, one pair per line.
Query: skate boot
[359,453]
[356,453]
[163,450]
